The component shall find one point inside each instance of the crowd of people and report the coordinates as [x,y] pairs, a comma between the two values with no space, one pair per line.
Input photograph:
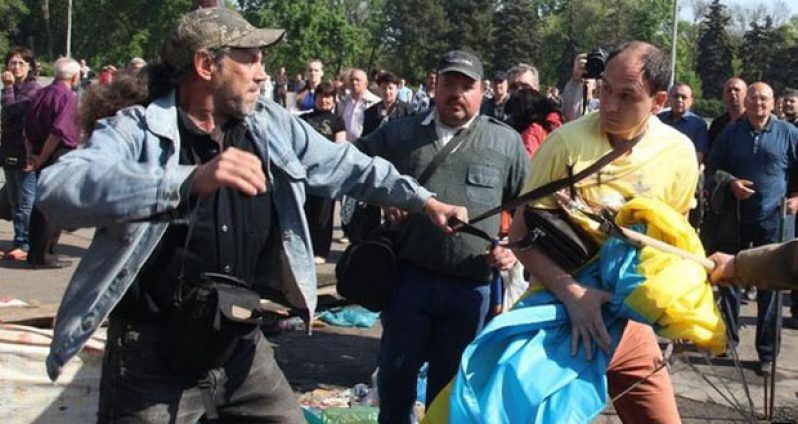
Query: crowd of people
[221,173]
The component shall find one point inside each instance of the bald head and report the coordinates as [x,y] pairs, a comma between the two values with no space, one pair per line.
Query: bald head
[358,82]
[759,103]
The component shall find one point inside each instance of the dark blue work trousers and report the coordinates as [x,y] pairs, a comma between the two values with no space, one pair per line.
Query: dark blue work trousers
[430,317]
[753,235]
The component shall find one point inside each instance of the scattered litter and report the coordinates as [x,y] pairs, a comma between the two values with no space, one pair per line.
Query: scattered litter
[7,301]
[350,316]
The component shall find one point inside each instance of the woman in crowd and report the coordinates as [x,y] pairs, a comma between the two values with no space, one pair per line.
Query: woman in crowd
[534,116]
[19,86]
[320,210]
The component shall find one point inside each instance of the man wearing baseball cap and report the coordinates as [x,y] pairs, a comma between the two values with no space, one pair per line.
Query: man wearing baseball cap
[197,195]
[441,299]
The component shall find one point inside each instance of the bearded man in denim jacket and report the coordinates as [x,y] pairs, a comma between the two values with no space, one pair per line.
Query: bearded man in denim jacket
[205,147]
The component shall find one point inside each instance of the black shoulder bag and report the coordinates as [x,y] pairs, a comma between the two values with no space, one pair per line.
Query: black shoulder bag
[368,269]
[212,313]
[552,231]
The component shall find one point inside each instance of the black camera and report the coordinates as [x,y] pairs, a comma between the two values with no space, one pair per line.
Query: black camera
[595,63]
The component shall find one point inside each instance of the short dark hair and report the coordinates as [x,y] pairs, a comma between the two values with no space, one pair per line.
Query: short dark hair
[388,78]
[656,64]
[27,55]
[324,89]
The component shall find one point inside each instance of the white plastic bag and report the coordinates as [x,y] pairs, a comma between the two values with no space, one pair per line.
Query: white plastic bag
[515,285]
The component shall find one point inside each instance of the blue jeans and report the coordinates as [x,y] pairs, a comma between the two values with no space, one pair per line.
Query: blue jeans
[429,318]
[731,297]
[21,188]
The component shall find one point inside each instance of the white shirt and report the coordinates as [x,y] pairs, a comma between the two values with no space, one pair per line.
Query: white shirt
[443,131]
[353,118]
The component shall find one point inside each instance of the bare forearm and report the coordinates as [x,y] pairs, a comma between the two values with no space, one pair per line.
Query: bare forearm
[50,145]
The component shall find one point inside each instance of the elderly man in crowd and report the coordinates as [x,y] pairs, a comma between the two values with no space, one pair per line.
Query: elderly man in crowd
[52,130]
[759,152]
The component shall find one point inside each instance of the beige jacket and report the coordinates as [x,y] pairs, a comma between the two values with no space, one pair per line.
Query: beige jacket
[774,266]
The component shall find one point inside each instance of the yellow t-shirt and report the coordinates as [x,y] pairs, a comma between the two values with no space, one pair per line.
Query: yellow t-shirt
[662,166]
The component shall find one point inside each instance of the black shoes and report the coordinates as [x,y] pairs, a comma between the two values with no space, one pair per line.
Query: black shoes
[51,263]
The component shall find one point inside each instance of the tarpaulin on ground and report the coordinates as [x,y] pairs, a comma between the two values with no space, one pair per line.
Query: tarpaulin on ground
[519,369]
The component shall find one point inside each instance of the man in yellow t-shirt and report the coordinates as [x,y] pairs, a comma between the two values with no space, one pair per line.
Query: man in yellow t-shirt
[662,165]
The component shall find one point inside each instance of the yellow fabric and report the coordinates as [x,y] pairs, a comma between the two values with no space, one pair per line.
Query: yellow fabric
[438,411]
[676,295]
[662,166]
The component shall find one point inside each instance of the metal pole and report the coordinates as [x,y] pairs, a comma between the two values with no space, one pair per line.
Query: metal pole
[69,29]
[673,41]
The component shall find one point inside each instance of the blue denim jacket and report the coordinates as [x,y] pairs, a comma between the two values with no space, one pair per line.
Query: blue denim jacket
[128,172]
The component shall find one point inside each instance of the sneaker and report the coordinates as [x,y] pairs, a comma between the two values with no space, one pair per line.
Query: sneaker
[750,294]
[17,254]
[344,240]
[319,260]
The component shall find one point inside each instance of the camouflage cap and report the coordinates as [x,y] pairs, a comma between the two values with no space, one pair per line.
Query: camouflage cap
[213,28]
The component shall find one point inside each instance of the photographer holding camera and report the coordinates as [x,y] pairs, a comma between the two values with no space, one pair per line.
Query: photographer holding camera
[577,96]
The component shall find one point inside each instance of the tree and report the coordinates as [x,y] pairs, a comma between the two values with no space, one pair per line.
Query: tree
[518,38]
[413,39]
[11,14]
[760,48]
[327,30]
[469,26]
[714,62]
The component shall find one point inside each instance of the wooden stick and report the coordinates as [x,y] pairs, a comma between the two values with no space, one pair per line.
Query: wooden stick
[660,245]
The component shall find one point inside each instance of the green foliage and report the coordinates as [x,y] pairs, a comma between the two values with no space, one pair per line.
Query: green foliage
[46,68]
[11,14]
[759,52]
[708,108]
[714,62]
[518,37]
[685,58]
[412,38]
[338,33]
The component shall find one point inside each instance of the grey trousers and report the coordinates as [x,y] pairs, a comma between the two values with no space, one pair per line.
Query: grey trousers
[137,387]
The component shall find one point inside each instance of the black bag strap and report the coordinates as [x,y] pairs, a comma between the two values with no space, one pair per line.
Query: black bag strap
[442,154]
[544,190]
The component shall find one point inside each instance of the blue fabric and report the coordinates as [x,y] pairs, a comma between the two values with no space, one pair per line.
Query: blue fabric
[430,318]
[519,369]
[766,157]
[308,101]
[21,188]
[350,316]
[691,125]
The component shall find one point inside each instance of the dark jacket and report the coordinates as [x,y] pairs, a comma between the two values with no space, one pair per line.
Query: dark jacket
[720,229]
[16,101]
[487,169]
[373,116]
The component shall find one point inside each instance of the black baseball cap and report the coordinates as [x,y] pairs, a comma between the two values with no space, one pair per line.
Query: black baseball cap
[462,62]
[499,76]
